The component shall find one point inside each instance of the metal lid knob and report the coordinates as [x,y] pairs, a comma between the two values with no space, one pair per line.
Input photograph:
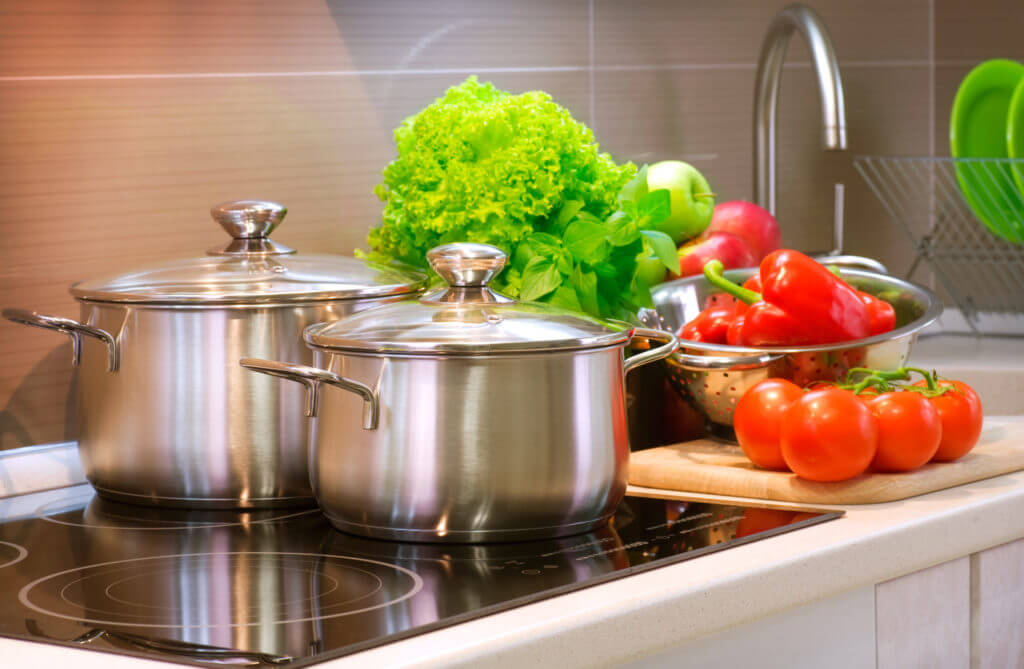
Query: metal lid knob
[250,222]
[467,265]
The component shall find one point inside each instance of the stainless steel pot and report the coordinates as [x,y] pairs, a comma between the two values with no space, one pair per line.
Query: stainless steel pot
[467,416]
[713,377]
[165,416]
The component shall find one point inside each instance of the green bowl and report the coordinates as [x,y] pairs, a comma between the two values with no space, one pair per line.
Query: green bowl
[1015,133]
[978,129]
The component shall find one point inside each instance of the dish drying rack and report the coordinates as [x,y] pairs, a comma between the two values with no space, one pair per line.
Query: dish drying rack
[982,273]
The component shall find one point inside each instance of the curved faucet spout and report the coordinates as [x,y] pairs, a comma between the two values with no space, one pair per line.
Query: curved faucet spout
[766,92]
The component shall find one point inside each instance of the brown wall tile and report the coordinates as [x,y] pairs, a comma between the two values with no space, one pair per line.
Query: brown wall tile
[976,30]
[666,32]
[63,37]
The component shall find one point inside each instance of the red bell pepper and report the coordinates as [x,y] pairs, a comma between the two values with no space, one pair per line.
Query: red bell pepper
[881,315]
[710,326]
[803,303]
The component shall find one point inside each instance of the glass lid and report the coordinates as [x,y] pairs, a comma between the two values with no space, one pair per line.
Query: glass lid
[466,317]
[251,268]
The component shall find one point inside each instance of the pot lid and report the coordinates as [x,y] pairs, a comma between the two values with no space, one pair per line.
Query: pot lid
[466,317]
[251,268]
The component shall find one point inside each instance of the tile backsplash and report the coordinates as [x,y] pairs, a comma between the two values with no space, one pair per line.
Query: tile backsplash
[122,122]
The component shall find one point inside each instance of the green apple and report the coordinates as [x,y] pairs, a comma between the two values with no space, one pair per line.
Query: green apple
[691,199]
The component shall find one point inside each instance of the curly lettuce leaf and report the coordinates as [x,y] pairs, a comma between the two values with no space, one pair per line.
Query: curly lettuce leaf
[518,172]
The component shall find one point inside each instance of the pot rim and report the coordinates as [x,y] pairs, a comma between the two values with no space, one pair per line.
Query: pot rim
[267,301]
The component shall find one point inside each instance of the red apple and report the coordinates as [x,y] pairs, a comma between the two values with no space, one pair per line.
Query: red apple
[728,248]
[749,222]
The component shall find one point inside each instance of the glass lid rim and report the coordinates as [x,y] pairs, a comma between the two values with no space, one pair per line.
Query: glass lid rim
[229,297]
[313,339]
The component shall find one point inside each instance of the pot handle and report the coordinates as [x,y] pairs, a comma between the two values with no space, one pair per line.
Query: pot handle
[311,378]
[72,328]
[663,351]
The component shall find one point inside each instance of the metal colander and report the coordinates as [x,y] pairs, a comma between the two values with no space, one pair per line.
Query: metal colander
[713,377]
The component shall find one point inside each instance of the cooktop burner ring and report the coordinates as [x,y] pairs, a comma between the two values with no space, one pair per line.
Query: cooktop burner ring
[415,586]
[20,553]
[167,526]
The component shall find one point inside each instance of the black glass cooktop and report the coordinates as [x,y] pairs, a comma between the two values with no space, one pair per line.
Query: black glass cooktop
[284,588]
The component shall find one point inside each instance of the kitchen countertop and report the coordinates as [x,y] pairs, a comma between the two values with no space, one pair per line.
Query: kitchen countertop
[642,614]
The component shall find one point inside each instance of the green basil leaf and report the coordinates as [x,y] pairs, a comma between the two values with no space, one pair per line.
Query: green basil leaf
[544,244]
[655,207]
[563,261]
[565,297]
[585,284]
[539,278]
[642,294]
[522,256]
[624,233]
[636,188]
[586,241]
[606,270]
[568,212]
[587,216]
[663,247]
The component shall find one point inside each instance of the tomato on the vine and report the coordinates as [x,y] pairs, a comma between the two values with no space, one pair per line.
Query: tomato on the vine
[828,435]
[909,431]
[961,415]
[758,419]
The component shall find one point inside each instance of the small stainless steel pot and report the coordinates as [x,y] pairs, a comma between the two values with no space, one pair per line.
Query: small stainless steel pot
[713,377]
[165,416]
[465,416]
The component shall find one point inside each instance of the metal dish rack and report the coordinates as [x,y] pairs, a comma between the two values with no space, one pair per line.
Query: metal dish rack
[982,273]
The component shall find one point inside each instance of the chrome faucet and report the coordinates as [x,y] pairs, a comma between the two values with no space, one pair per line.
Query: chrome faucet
[766,93]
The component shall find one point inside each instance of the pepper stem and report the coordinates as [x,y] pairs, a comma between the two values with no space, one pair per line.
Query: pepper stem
[713,273]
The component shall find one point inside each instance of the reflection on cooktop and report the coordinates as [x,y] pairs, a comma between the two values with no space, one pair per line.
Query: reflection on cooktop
[279,587]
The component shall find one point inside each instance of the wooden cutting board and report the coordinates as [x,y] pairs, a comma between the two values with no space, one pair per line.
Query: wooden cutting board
[707,466]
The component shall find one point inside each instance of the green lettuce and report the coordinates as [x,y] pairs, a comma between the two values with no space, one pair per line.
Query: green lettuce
[518,172]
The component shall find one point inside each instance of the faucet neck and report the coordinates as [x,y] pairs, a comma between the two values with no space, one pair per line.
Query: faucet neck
[766,93]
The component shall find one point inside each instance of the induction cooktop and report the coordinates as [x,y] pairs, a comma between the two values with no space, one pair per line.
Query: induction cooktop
[284,588]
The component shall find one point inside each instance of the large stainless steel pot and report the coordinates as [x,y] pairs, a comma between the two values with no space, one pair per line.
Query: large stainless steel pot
[467,416]
[165,416]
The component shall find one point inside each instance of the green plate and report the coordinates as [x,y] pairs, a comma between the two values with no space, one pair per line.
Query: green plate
[977,129]
[1015,133]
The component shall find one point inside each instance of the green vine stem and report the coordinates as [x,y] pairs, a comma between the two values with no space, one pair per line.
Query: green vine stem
[713,273]
[881,381]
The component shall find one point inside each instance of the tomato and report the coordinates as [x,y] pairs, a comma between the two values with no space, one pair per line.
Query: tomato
[961,416]
[828,435]
[909,431]
[758,418]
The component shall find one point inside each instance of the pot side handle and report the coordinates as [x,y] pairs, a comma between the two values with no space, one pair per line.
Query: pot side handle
[654,354]
[311,378]
[72,328]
